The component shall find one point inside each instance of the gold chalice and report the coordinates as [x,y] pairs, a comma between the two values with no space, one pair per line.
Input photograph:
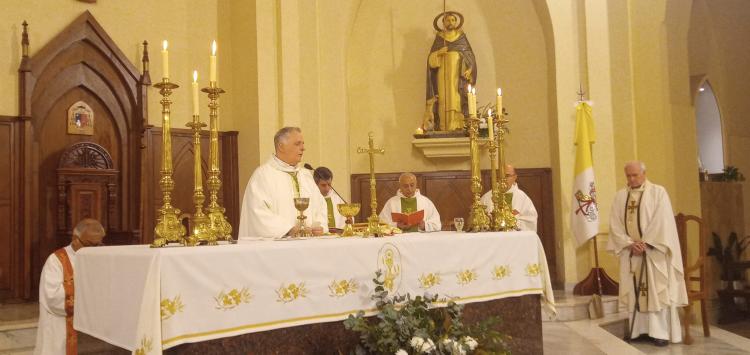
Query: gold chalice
[348,210]
[301,204]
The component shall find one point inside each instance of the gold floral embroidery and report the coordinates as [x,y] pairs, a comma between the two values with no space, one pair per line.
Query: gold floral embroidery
[292,292]
[466,277]
[429,280]
[532,270]
[233,298]
[146,346]
[171,307]
[500,272]
[343,287]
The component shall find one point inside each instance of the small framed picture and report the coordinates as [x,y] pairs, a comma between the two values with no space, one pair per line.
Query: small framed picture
[81,119]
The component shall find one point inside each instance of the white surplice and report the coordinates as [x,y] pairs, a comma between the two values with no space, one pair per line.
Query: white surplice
[526,212]
[431,216]
[335,200]
[651,220]
[51,331]
[268,206]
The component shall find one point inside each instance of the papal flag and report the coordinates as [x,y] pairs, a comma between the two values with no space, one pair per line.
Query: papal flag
[584,218]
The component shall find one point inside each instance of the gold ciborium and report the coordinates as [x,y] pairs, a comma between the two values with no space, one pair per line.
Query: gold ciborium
[348,210]
[301,204]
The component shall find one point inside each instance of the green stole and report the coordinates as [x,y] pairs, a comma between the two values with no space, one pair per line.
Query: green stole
[409,205]
[295,182]
[331,218]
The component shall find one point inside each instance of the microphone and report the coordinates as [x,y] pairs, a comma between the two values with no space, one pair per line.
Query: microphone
[309,167]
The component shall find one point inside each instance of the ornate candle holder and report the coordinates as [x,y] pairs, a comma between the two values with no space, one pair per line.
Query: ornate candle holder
[168,228]
[348,210]
[200,224]
[478,219]
[502,212]
[219,224]
[301,204]
[373,222]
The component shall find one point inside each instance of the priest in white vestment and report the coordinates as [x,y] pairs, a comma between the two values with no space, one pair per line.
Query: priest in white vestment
[324,178]
[409,200]
[642,225]
[268,205]
[523,208]
[55,334]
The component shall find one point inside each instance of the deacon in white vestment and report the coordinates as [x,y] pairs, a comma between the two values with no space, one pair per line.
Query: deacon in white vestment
[642,225]
[409,200]
[268,205]
[523,208]
[324,178]
[55,334]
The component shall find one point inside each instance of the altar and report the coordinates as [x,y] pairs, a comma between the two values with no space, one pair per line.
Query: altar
[150,300]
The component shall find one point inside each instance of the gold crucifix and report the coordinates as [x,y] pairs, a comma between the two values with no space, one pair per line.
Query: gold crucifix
[633,207]
[373,222]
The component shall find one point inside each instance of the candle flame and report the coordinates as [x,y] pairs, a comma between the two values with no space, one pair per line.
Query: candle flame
[195,76]
[499,92]
[164,45]
[489,112]
[213,47]
[473,91]
[469,87]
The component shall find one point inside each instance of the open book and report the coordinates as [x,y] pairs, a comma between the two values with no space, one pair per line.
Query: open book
[408,219]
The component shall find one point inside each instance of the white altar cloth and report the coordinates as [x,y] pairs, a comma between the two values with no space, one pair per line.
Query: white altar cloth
[140,298]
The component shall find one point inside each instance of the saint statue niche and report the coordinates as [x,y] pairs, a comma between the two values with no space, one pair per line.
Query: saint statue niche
[451,67]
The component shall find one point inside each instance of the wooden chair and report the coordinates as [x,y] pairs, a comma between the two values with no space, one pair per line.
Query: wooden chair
[701,292]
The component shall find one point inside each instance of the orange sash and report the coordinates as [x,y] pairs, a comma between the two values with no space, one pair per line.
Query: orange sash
[71,336]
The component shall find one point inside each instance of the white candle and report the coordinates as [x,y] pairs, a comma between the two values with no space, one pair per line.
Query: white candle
[474,100]
[164,60]
[470,101]
[490,126]
[196,109]
[212,62]
[499,102]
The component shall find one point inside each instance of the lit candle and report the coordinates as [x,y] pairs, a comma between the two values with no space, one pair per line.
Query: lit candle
[164,60]
[195,94]
[474,100]
[471,101]
[212,62]
[490,126]
[499,102]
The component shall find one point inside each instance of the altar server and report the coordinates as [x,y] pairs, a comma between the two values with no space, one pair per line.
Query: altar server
[523,207]
[55,334]
[409,200]
[268,206]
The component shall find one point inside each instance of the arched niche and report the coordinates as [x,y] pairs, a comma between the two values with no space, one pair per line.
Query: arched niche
[709,129]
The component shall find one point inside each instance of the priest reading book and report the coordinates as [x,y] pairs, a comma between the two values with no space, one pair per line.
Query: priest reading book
[410,210]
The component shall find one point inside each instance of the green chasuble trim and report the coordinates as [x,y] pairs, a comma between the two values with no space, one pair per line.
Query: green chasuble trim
[295,182]
[409,205]
[331,219]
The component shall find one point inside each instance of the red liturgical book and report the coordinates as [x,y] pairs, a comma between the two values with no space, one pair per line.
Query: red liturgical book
[408,219]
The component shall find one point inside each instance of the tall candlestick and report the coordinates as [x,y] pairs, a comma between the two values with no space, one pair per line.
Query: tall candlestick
[474,100]
[196,109]
[490,126]
[212,62]
[499,102]
[164,60]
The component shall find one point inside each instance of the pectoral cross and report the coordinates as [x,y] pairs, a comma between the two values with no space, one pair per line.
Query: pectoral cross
[633,207]
[371,151]
[644,289]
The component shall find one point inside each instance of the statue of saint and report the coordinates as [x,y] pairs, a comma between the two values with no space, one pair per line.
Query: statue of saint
[451,67]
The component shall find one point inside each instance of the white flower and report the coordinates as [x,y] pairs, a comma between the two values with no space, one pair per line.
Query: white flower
[401,352]
[428,346]
[470,342]
[416,343]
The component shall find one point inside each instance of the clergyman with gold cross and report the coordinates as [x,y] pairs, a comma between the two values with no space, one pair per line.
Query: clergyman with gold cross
[268,205]
[642,226]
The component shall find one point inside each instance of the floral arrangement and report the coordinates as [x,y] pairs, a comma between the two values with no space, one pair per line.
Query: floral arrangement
[406,325]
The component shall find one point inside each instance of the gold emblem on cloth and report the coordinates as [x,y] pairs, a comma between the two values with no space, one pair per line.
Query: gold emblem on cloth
[500,272]
[389,260]
[343,287]
[466,277]
[532,270]
[429,280]
[292,292]
[233,298]
[170,307]
[146,346]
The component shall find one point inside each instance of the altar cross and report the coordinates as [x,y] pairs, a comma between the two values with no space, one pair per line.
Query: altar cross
[371,151]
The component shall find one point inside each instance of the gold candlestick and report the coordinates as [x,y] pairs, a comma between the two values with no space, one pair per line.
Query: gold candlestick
[478,219]
[373,222]
[502,209]
[495,218]
[168,227]
[219,224]
[200,224]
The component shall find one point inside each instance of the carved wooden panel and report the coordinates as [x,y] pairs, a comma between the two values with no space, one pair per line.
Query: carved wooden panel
[182,164]
[8,255]
[449,191]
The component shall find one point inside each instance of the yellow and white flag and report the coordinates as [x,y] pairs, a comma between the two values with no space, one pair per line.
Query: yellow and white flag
[584,218]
